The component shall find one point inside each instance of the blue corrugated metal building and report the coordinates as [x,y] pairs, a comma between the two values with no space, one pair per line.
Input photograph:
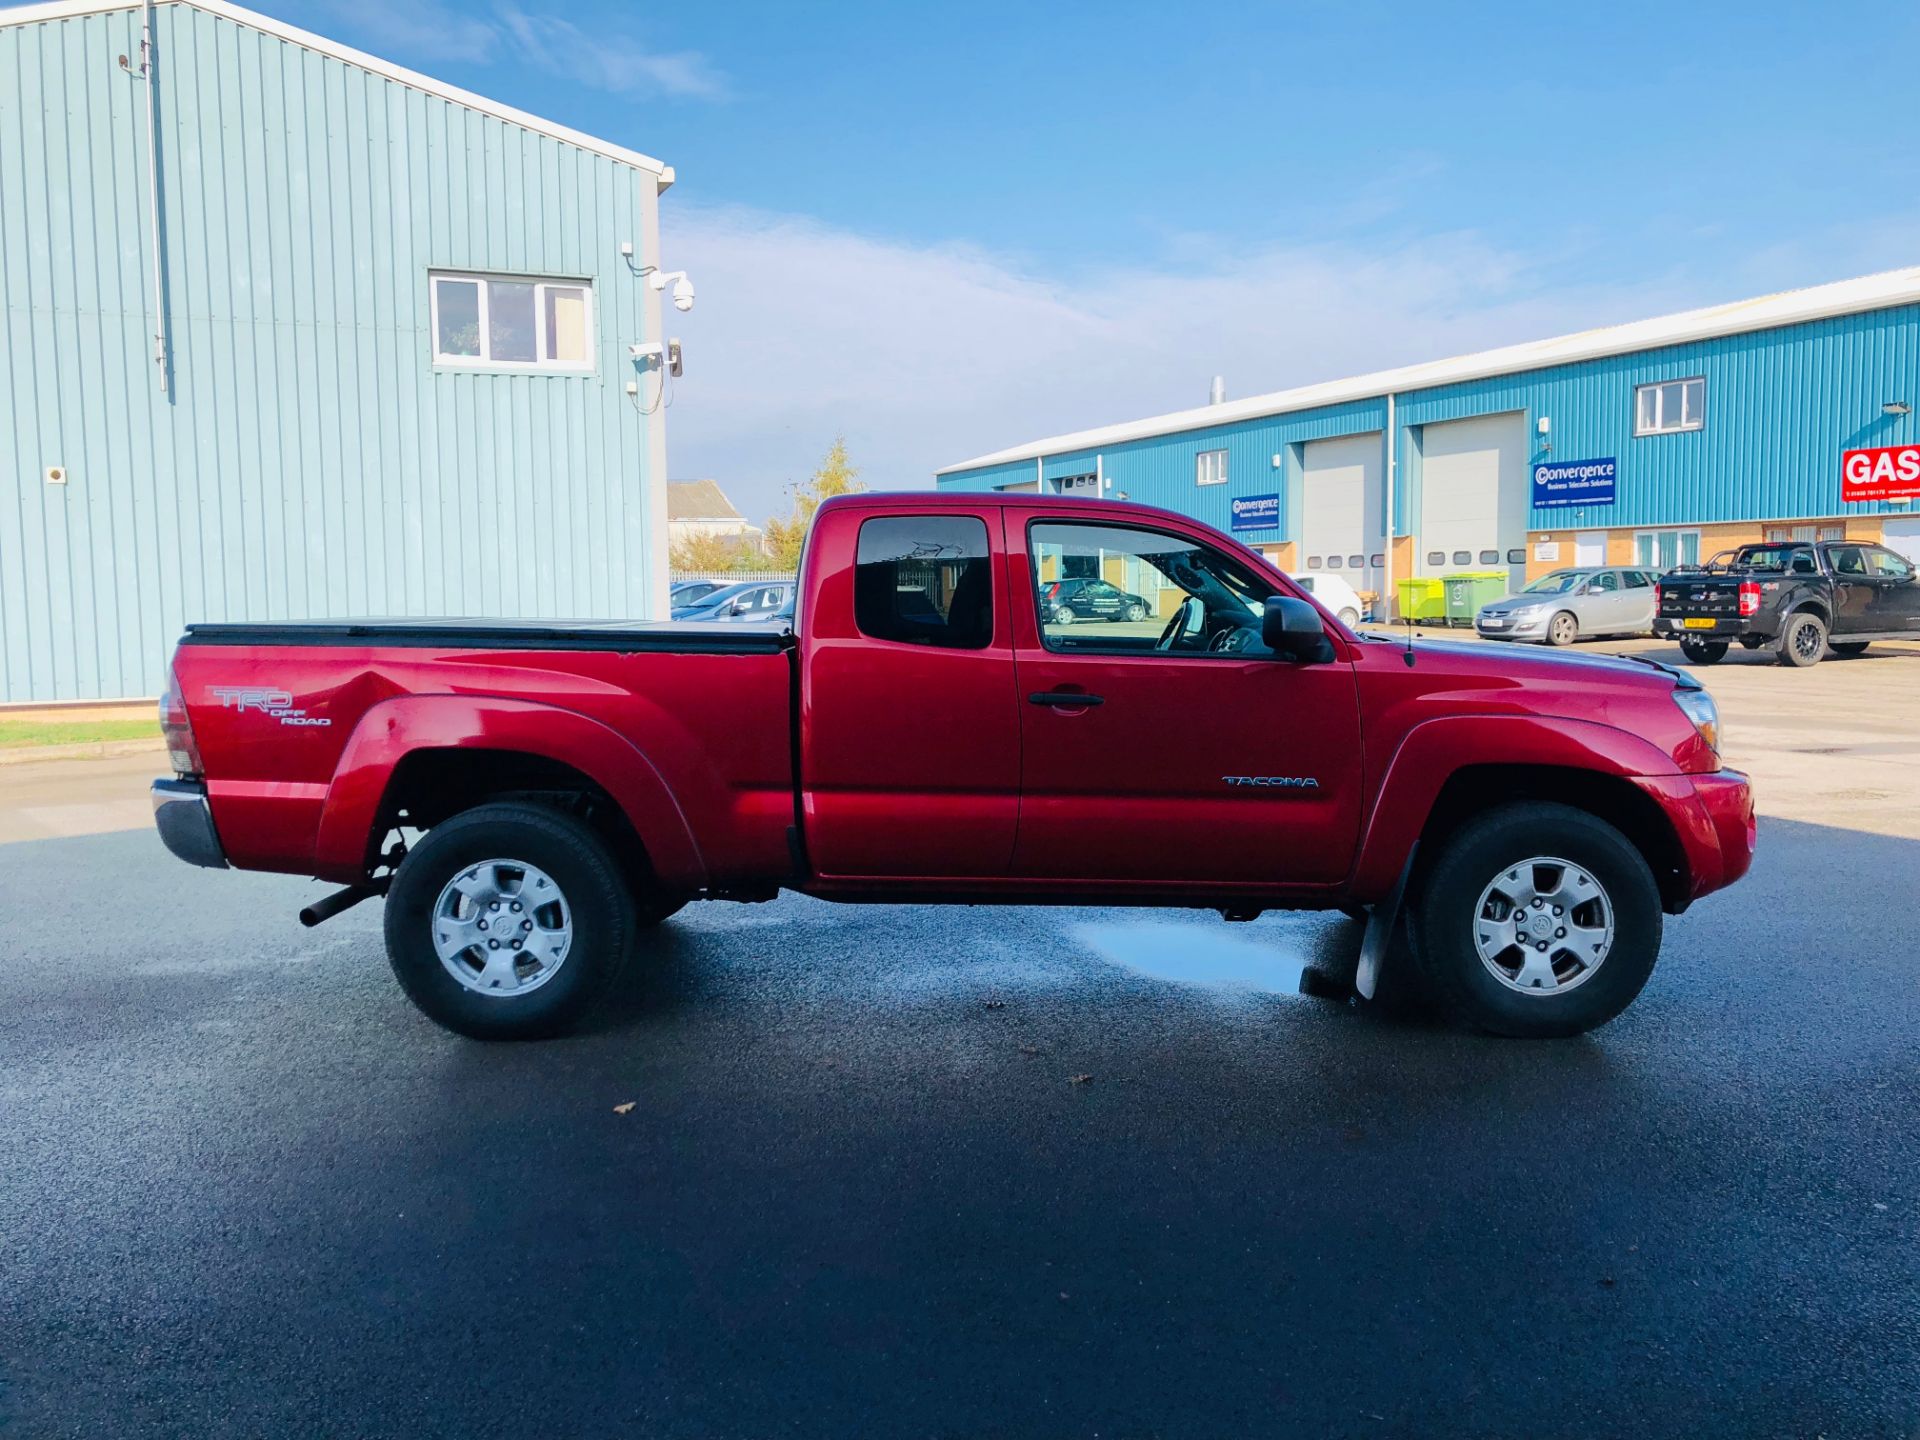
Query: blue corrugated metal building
[1647,443]
[290,331]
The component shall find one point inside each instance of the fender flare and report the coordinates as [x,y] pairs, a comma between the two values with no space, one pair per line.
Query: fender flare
[408,724]
[1435,749]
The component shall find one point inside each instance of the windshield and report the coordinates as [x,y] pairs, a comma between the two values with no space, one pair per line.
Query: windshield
[1558,583]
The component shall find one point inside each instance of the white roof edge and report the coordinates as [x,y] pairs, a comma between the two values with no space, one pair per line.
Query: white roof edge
[1788,307]
[293,34]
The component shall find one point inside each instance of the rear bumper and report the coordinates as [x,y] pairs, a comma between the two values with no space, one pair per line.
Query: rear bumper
[1670,627]
[185,822]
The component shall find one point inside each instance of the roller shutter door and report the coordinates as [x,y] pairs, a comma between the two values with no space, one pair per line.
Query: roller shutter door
[1341,508]
[1473,493]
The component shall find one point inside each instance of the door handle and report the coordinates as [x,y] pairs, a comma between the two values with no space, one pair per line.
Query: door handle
[1064,699]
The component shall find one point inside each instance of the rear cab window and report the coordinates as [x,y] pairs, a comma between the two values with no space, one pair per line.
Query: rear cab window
[924,580]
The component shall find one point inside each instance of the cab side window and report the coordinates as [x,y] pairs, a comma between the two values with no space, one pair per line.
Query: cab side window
[924,580]
[1849,561]
[1887,565]
[1165,594]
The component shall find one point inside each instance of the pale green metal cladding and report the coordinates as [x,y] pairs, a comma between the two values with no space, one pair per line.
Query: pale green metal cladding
[1783,404]
[307,458]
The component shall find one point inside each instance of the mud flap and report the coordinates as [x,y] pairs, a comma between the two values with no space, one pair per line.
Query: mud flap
[1380,927]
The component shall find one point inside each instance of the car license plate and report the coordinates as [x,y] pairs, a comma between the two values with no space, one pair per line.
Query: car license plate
[1695,623]
[1492,622]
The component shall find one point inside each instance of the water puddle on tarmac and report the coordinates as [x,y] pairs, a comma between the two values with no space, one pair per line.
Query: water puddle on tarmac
[1201,954]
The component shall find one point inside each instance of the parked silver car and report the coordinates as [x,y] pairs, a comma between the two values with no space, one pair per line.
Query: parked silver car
[1567,605]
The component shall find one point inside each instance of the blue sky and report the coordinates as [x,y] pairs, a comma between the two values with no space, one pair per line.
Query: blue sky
[941,230]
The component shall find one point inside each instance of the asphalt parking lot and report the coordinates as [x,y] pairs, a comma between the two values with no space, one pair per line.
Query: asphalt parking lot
[969,1172]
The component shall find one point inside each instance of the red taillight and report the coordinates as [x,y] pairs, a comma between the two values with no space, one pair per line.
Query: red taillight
[1749,598]
[1053,590]
[182,752]
[1659,598]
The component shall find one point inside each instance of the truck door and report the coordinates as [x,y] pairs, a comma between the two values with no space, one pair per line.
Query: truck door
[1173,747]
[910,732]
[1896,590]
[1853,590]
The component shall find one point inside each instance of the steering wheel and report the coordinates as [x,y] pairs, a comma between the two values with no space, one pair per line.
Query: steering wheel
[1176,625]
[1233,639]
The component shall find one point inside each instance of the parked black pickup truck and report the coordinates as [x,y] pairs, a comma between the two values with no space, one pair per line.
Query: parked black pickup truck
[1799,597]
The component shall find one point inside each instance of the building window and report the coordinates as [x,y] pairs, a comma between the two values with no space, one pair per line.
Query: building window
[512,322]
[1665,549]
[1088,484]
[1210,467]
[1784,534]
[1670,406]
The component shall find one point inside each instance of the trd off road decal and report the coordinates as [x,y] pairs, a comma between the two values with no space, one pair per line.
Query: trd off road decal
[268,701]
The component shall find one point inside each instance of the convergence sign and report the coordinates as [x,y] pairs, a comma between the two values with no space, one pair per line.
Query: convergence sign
[1886,473]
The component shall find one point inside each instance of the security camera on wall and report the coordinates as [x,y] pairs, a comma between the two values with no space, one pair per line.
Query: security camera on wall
[682,287]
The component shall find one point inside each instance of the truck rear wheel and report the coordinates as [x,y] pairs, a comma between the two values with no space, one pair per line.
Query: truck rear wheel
[1848,648]
[1803,640]
[507,921]
[1704,652]
[1537,920]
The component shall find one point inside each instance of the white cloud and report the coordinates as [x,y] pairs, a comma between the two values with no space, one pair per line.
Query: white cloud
[420,30]
[925,355]
[431,30]
[616,63]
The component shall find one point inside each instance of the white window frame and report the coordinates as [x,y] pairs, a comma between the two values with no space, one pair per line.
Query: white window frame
[542,363]
[1652,537]
[1210,467]
[1687,420]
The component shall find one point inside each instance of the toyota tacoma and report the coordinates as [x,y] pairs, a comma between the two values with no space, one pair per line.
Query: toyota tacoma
[531,798]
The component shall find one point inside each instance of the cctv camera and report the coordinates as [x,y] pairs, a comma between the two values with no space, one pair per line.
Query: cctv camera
[683,294]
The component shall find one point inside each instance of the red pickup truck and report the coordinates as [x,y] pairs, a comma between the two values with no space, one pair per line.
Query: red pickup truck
[531,797]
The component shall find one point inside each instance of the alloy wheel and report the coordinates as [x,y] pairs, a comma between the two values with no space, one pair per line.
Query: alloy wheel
[502,927]
[1543,926]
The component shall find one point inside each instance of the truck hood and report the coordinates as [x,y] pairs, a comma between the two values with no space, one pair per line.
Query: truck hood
[1455,677]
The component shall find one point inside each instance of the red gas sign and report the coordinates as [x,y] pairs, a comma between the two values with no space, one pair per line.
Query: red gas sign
[1880,474]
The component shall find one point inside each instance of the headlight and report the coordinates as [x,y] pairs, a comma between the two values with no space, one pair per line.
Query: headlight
[1698,706]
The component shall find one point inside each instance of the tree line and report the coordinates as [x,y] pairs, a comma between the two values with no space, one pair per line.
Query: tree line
[783,537]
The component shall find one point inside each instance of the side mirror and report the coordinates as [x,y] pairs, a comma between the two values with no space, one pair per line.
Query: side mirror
[1293,630]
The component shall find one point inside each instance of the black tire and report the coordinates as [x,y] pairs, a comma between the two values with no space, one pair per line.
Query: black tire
[1444,918]
[1062,615]
[1803,640]
[1563,628]
[1136,612]
[1704,652]
[1848,648]
[652,910]
[1350,617]
[598,902]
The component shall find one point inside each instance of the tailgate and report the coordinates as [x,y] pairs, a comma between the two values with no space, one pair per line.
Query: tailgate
[1703,597]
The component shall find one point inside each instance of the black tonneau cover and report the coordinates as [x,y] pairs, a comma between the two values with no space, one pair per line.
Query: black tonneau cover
[624,636]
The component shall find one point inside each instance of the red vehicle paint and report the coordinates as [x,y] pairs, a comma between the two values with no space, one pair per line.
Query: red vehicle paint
[1237,765]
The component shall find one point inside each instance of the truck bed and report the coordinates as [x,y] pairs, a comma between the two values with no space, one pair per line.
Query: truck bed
[305,724]
[626,636]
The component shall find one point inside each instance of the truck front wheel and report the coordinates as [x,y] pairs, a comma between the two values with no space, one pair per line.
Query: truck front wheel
[507,921]
[1536,920]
